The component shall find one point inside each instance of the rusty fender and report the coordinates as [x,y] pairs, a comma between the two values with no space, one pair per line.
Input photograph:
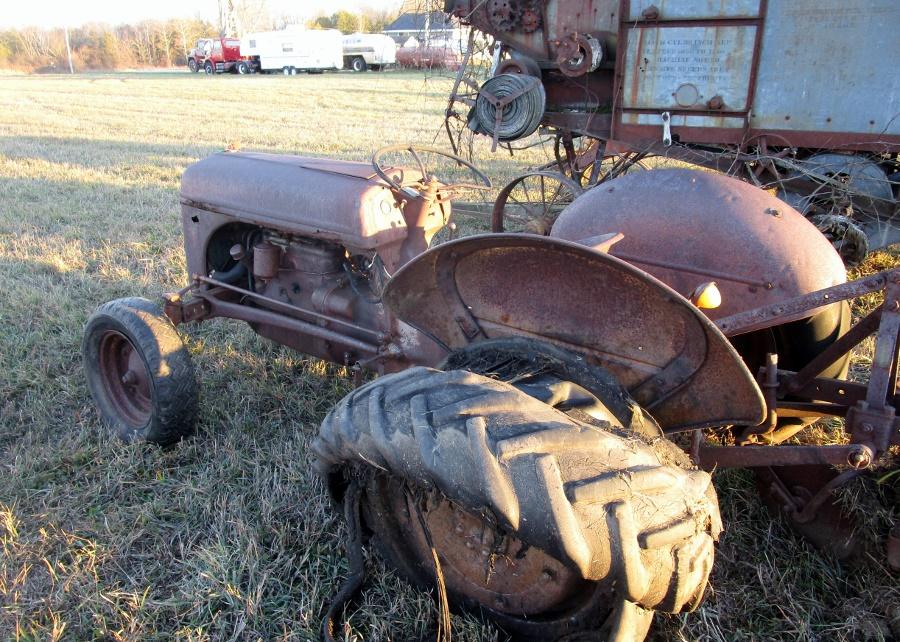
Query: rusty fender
[670,357]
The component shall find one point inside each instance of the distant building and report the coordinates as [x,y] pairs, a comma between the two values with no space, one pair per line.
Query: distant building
[441,30]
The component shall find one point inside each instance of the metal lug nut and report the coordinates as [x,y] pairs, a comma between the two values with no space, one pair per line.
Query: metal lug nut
[860,457]
[129,378]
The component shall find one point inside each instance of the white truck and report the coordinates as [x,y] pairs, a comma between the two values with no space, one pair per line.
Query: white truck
[369,51]
[295,49]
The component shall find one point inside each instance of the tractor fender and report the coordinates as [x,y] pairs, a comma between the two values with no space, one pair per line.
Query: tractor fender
[689,227]
[662,349]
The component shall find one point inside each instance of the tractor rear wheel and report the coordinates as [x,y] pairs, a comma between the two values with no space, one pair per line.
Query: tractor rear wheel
[208,68]
[139,372]
[544,523]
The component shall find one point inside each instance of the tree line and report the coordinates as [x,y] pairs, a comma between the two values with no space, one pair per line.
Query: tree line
[347,22]
[150,43]
[98,46]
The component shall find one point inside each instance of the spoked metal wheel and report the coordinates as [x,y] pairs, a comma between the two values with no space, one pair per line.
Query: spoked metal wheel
[532,202]
[611,167]
[578,160]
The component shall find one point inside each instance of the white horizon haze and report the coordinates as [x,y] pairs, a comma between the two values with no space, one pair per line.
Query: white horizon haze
[49,14]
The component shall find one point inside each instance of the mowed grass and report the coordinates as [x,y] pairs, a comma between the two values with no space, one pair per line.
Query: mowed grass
[229,535]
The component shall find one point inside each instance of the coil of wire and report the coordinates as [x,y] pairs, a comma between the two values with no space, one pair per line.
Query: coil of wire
[520,118]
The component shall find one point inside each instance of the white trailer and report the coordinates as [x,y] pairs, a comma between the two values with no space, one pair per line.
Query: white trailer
[294,49]
[369,50]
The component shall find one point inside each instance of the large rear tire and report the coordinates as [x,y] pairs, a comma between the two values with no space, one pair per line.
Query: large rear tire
[139,372]
[546,524]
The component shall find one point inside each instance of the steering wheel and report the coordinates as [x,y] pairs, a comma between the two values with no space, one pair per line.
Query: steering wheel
[485,182]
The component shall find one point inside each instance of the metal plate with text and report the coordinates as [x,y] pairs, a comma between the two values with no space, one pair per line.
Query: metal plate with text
[684,67]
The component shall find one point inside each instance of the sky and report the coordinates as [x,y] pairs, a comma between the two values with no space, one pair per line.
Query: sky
[58,13]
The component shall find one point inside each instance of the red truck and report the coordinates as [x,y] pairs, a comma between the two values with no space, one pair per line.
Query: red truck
[219,55]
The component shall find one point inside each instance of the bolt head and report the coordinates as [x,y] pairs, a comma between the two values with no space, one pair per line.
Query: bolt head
[859,458]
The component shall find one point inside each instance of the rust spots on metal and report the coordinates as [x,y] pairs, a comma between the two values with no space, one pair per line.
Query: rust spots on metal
[495,569]
[586,301]
[688,227]
[125,377]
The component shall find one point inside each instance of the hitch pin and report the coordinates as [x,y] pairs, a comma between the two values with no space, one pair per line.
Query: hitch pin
[667,130]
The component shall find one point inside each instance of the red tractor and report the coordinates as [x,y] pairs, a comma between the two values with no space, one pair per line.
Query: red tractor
[219,55]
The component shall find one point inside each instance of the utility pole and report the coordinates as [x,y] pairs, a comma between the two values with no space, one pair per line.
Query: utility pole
[69,51]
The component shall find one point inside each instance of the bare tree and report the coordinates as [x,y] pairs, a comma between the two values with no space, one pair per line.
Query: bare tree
[164,33]
[254,15]
[36,44]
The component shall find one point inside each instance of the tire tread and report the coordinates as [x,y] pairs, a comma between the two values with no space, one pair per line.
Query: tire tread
[581,492]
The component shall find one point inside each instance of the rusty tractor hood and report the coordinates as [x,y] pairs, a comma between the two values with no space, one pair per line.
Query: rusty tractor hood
[670,357]
[342,201]
[688,227]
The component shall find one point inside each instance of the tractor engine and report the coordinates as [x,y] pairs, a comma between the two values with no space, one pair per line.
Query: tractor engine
[317,276]
[300,248]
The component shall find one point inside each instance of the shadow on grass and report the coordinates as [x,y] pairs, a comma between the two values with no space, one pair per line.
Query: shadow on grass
[68,246]
[228,532]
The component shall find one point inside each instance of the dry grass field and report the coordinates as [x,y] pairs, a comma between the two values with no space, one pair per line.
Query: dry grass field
[229,535]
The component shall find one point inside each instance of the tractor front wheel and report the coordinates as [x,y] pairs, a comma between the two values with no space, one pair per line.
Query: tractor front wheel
[139,372]
[193,66]
[546,524]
